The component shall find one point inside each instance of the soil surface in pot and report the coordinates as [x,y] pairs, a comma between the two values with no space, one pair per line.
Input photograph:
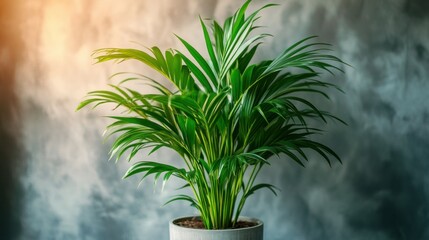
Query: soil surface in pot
[197,223]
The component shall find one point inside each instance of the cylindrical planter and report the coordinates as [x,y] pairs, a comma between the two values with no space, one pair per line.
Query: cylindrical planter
[248,233]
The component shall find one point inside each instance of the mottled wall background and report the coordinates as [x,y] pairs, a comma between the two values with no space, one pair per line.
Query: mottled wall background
[56,182]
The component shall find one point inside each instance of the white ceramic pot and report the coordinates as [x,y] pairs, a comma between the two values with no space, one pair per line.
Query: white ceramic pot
[249,233]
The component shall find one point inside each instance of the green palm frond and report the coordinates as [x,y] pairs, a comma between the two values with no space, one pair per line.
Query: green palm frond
[225,117]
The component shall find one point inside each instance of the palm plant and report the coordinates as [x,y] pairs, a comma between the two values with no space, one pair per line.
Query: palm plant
[225,116]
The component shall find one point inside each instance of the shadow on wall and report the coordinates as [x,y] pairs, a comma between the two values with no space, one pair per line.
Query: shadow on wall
[10,158]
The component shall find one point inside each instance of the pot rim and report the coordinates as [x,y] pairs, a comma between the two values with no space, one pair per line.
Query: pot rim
[258,222]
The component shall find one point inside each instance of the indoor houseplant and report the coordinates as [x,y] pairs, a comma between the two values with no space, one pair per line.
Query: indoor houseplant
[225,115]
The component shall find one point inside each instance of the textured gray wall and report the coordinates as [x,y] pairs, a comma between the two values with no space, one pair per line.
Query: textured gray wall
[56,182]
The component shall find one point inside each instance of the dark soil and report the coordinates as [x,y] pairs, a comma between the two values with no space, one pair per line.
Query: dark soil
[197,223]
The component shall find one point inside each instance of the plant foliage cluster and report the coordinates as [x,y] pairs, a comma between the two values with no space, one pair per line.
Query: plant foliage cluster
[225,117]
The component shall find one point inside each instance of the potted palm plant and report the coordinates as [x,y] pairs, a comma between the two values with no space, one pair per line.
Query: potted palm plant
[224,115]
